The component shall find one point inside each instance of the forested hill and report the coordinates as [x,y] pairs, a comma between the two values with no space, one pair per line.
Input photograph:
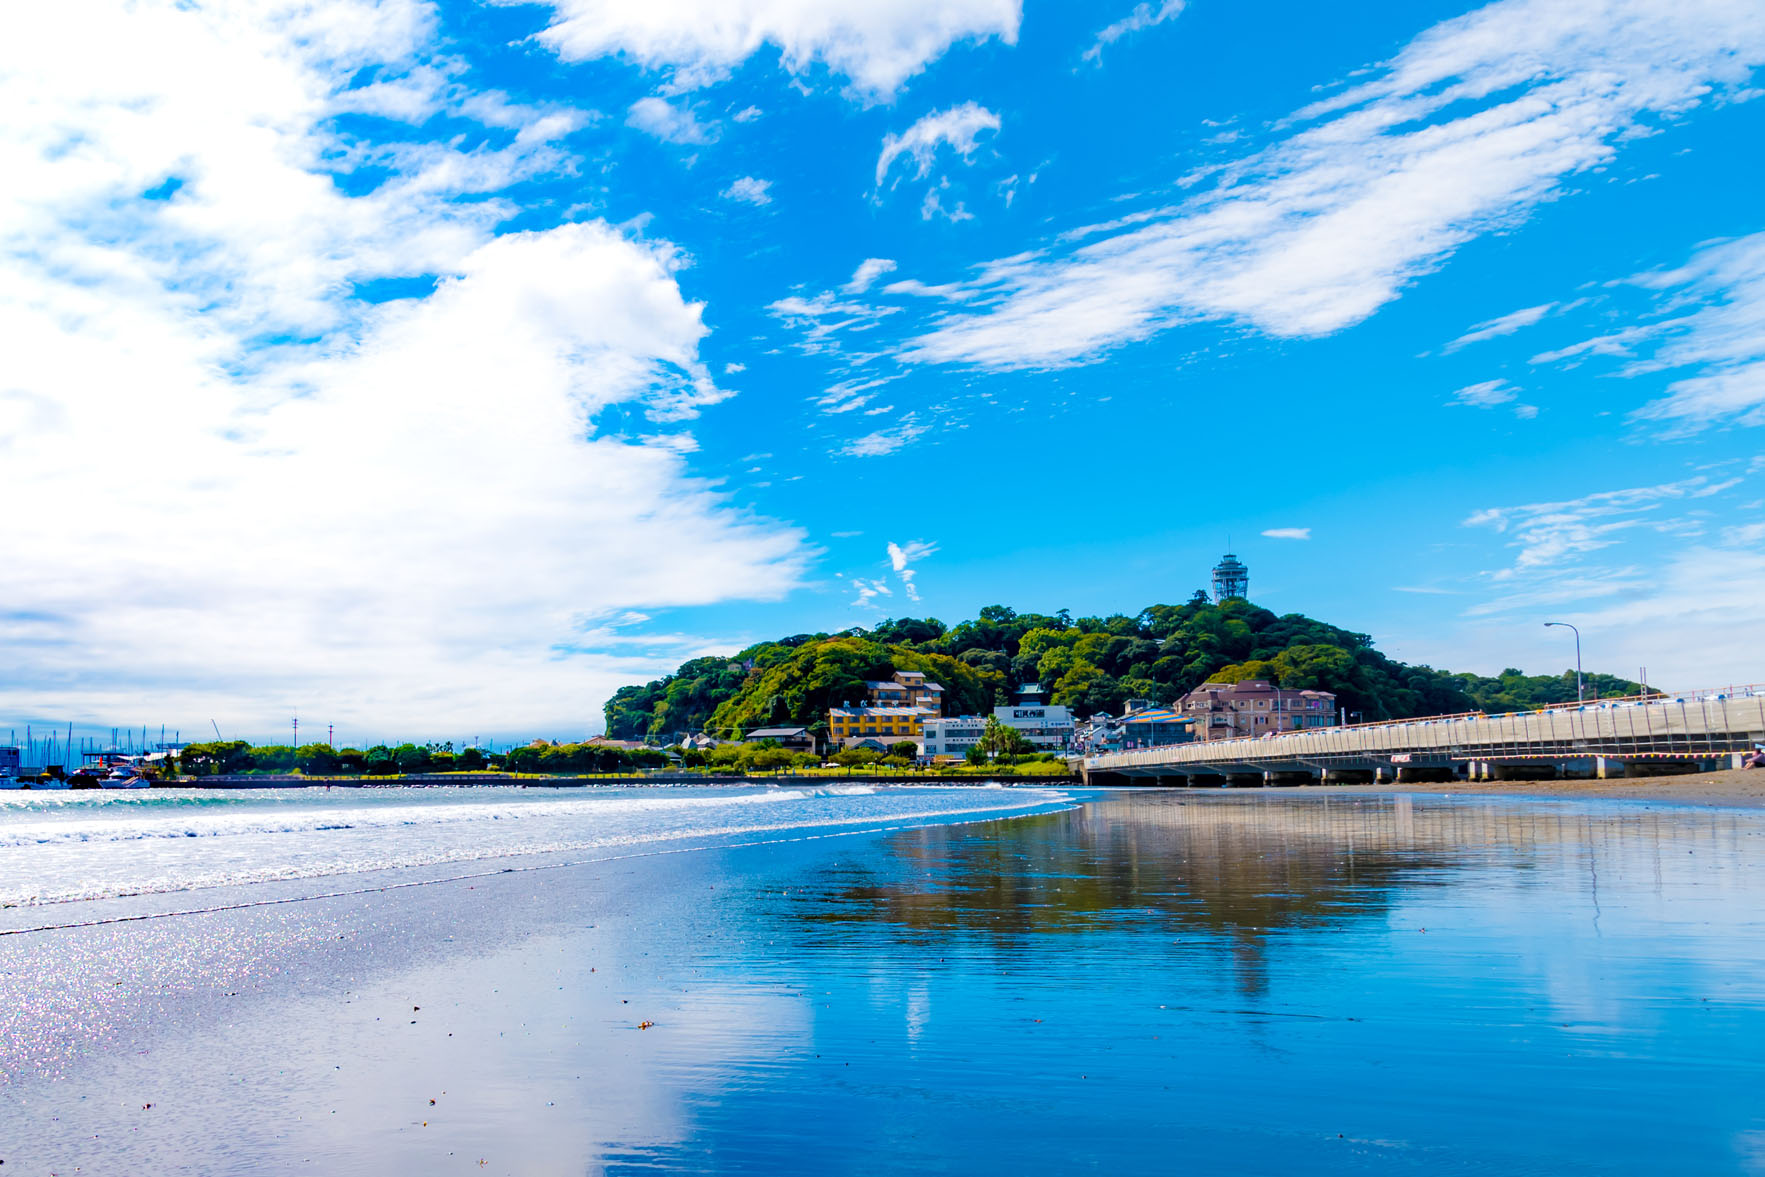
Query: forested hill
[1089,663]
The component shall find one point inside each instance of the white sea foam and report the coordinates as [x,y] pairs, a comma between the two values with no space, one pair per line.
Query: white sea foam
[58,847]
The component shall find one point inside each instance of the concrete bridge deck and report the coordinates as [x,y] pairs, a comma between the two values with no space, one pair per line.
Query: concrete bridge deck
[1635,737]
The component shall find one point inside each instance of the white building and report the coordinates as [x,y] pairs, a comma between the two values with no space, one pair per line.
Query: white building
[1047,726]
[953,735]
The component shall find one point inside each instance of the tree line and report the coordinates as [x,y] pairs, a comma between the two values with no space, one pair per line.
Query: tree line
[1089,664]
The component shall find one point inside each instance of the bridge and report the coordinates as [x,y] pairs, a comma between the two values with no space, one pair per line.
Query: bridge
[1642,736]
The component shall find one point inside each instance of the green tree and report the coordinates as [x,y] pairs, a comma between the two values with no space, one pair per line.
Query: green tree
[317,760]
[410,758]
[1003,741]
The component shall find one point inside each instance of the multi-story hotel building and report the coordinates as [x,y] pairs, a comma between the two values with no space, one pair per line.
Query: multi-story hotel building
[891,711]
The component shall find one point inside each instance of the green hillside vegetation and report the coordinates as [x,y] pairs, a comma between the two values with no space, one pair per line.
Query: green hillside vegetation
[1090,664]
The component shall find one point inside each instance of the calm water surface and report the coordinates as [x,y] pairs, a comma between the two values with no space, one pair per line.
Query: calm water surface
[1144,983]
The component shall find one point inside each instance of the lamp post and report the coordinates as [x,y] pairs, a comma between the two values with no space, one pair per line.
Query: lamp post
[1579,697]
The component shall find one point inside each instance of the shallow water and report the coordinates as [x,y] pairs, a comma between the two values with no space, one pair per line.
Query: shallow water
[1151,983]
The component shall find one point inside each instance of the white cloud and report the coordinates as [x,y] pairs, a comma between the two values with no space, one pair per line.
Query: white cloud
[823,317]
[1464,132]
[749,191]
[1721,340]
[747,114]
[878,44]
[1487,394]
[1288,533]
[901,559]
[670,123]
[868,271]
[1502,325]
[1144,16]
[886,441]
[1548,534]
[868,591]
[958,128]
[332,523]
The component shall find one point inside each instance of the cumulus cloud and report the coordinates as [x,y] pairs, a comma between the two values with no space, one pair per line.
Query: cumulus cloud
[957,128]
[877,44]
[1144,16]
[1464,132]
[1288,533]
[668,122]
[398,510]
[748,190]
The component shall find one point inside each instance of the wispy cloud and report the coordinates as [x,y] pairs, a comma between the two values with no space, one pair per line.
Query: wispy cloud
[1487,394]
[1503,325]
[885,441]
[958,129]
[1710,320]
[901,559]
[1288,533]
[1548,534]
[1463,133]
[748,190]
[670,123]
[868,271]
[1144,16]
[824,316]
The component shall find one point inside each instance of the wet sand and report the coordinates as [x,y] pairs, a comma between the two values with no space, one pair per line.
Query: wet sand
[1731,788]
[1257,981]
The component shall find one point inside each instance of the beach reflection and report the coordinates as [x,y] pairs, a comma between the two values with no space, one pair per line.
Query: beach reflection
[1242,870]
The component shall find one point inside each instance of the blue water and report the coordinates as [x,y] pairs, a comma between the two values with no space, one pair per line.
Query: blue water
[1143,983]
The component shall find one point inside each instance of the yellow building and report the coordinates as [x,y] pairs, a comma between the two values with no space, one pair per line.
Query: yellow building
[891,711]
[884,724]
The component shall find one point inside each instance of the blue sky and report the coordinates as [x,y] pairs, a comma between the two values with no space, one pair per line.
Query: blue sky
[432,369]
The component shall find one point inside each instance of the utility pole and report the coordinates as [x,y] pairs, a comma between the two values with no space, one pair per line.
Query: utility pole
[1580,696]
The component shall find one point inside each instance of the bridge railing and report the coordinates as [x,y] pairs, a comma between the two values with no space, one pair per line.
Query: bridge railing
[1709,722]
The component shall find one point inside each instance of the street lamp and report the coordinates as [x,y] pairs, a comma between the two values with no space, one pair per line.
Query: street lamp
[1578,693]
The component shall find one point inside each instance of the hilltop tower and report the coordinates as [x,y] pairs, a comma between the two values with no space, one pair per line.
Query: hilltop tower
[1230,579]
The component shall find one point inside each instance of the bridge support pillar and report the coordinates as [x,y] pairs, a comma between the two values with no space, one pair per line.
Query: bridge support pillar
[1525,772]
[1607,768]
